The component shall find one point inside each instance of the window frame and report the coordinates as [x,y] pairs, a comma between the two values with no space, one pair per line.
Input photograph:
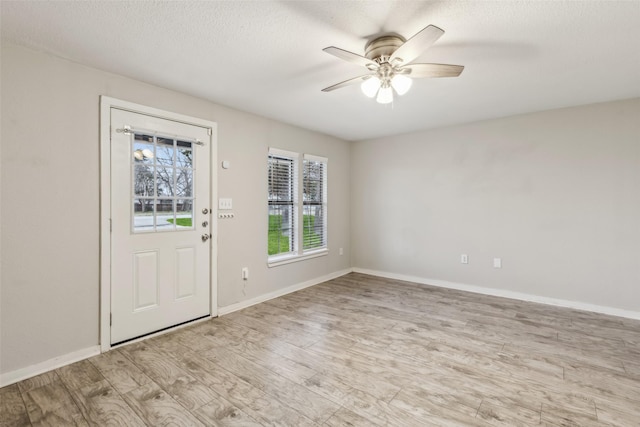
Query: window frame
[298,253]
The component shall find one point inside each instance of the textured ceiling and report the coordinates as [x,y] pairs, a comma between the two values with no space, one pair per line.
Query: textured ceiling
[266,57]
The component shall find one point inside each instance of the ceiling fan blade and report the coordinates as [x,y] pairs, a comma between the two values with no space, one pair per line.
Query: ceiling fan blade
[346,83]
[433,70]
[417,44]
[351,57]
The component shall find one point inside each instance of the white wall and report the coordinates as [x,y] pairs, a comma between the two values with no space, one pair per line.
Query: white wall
[555,194]
[50,201]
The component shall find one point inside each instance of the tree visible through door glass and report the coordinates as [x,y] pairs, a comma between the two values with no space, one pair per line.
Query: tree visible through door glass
[162,187]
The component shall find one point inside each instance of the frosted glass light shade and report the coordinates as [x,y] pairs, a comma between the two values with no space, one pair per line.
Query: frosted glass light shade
[401,83]
[385,95]
[370,86]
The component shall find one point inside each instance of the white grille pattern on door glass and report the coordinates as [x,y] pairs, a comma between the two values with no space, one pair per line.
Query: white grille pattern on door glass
[162,183]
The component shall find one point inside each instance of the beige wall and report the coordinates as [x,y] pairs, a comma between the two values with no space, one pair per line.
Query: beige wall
[50,201]
[555,194]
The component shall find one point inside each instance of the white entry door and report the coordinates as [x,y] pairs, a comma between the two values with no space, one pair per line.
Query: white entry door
[160,223]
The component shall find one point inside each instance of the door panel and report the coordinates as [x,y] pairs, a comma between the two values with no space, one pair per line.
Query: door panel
[160,190]
[145,280]
[185,272]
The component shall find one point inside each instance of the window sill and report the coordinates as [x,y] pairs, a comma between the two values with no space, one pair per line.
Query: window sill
[288,259]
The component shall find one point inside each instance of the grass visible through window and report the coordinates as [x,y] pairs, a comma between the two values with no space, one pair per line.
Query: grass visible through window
[279,242]
[183,222]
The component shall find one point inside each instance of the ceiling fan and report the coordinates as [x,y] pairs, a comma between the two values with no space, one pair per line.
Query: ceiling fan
[388,60]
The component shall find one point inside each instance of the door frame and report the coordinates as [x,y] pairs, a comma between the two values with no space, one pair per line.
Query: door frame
[106,104]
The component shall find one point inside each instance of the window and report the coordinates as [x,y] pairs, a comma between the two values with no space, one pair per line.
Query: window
[162,183]
[296,231]
[314,202]
[282,202]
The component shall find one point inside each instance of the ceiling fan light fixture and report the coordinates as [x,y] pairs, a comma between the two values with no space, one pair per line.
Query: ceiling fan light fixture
[385,95]
[401,83]
[143,154]
[370,86]
[388,60]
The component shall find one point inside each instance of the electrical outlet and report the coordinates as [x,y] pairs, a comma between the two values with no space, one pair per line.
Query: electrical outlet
[341,251]
[497,263]
[464,259]
[245,273]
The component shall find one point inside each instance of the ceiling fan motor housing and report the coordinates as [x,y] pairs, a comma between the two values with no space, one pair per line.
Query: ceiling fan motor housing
[381,48]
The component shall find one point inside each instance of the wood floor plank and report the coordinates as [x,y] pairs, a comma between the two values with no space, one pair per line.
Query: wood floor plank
[79,374]
[565,353]
[332,368]
[313,406]
[328,386]
[12,408]
[461,401]
[38,381]
[425,331]
[344,417]
[603,382]
[292,335]
[616,416]
[123,374]
[52,405]
[440,409]
[632,369]
[157,408]
[221,412]
[560,416]
[101,405]
[496,414]
[256,352]
[180,385]
[356,350]
[381,412]
[240,393]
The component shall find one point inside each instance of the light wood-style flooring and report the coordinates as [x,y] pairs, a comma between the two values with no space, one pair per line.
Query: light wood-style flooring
[358,350]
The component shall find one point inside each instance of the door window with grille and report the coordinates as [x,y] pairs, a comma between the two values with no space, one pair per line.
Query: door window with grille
[162,180]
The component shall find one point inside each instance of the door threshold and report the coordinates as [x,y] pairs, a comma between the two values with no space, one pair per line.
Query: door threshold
[162,331]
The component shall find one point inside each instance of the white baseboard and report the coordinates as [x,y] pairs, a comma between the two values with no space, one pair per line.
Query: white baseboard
[48,365]
[57,362]
[505,294]
[280,292]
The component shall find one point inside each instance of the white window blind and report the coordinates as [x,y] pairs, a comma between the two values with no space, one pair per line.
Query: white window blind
[314,201]
[282,198]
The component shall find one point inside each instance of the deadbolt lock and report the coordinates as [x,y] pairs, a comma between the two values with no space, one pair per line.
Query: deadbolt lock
[205,211]
[205,223]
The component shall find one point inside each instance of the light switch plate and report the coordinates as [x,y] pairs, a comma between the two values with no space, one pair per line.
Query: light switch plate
[225,204]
